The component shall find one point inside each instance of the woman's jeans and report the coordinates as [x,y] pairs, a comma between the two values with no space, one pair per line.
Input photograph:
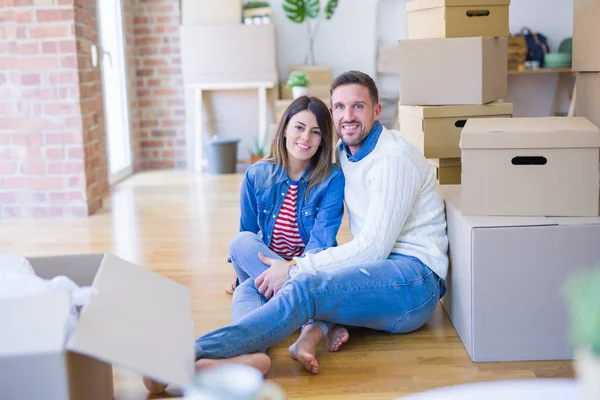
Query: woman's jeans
[396,295]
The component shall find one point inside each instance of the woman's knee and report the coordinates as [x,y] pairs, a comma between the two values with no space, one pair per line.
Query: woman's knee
[241,242]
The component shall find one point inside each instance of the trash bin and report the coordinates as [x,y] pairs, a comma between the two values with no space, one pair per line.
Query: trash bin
[222,155]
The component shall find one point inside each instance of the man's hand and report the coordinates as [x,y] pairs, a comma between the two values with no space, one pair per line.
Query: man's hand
[270,281]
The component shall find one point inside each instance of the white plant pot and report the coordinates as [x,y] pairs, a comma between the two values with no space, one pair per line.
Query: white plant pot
[299,91]
[587,370]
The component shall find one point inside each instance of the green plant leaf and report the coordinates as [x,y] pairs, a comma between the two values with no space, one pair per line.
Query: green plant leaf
[298,10]
[330,8]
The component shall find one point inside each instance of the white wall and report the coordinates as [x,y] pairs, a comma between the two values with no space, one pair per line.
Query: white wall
[350,40]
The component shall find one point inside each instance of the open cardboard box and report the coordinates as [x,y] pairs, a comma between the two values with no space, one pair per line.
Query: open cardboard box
[137,320]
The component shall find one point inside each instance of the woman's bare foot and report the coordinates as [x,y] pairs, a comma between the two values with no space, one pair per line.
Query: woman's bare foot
[154,387]
[231,287]
[305,348]
[260,361]
[336,337]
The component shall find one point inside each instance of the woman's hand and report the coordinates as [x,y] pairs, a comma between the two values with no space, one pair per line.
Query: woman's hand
[270,281]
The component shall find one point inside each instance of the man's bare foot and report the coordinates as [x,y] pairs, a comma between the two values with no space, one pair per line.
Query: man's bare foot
[154,387]
[231,287]
[336,337]
[260,361]
[305,348]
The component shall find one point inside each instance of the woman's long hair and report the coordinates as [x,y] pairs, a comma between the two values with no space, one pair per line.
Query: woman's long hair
[322,160]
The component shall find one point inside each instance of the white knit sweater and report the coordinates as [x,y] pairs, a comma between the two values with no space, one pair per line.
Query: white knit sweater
[393,200]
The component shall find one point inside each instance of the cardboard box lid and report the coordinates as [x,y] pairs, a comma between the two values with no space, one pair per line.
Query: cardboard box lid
[451,195]
[529,133]
[445,162]
[415,5]
[495,108]
[34,324]
[139,320]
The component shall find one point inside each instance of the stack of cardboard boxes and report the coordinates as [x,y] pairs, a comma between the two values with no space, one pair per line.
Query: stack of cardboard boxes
[452,67]
[217,47]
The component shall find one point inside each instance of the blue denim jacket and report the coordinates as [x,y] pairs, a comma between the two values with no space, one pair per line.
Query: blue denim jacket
[319,216]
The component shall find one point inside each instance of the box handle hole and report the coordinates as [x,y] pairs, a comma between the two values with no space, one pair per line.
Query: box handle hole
[460,123]
[478,13]
[529,160]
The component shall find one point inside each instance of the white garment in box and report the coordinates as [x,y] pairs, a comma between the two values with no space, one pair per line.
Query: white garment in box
[505,281]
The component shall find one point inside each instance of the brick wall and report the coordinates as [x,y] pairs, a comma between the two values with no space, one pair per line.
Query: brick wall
[159,84]
[52,151]
[131,73]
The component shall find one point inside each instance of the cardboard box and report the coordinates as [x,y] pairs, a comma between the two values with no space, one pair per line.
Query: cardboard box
[506,278]
[588,96]
[435,130]
[228,53]
[586,35]
[428,19]
[318,74]
[448,170]
[118,326]
[282,105]
[211,12]
[530,166]
[320,91]
[452,71]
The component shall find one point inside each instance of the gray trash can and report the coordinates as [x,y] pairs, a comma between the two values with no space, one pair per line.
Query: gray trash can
[222,155]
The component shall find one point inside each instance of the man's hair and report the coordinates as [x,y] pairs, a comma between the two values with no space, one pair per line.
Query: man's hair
[359,78]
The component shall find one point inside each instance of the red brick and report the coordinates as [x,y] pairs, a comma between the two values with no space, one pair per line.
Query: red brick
[2,79]
[50,31]
[33,168]
[34,153]
[30,79]
[63,77]
[8,198]
[171,123]
[68,46]
[38,183]
[76,152]
[162,29]
[28,139]
[165,92]
[28,48]
[144,72]
[7,168]
[54,15]
[55,153]
[140,30]
[4,138]
[64,138]
[152,62]
[65,1]
[59,197]
[37,63]
[29,124]
[22,32]
[12,212]
[147,41]
[58,109]
[24,16]
[149,124]
[47,212]
[171,50]
[147,51]
[77,182]
[68,62]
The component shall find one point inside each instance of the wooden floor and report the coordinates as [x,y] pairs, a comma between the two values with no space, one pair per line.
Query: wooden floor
[179,224]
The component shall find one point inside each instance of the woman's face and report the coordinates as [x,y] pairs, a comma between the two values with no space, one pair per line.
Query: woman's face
[303,136]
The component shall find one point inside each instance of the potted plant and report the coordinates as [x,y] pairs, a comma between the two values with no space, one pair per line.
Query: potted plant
[259,151]
[256,12]
[298,81]
[583,298]
[302,11]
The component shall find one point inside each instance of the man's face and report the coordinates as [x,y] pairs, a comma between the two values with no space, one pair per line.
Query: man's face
[354,114]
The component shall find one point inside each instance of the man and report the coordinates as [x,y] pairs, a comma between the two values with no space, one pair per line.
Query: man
[389,277]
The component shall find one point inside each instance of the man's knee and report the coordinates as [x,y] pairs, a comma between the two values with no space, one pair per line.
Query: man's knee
[240,242]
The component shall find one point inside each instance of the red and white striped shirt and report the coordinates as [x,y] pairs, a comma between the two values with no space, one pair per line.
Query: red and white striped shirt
[286,241]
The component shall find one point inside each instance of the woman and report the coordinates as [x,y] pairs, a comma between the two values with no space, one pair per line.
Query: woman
[291,203]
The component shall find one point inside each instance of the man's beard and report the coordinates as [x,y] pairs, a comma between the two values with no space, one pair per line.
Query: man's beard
[356,139]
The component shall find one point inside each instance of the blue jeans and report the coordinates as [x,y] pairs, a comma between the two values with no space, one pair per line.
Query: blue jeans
[243,250]
[397,295]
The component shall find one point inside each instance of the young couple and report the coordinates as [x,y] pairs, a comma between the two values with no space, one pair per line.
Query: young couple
[291,271]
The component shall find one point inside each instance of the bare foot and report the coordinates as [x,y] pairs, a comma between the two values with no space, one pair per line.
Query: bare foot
[336,337]
[305,348]
[260,361]
[231,287]
[154,387]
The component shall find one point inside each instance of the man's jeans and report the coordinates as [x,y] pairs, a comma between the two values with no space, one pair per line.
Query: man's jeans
[396,295]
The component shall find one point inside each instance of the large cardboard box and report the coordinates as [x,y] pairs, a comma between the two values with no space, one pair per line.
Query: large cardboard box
[530,166]
[428,19]
[452,71]
[588,96]
[448,170]
[435,130]
[506,277]
[228,53]
[210,12]
[117,327]
[586,36]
